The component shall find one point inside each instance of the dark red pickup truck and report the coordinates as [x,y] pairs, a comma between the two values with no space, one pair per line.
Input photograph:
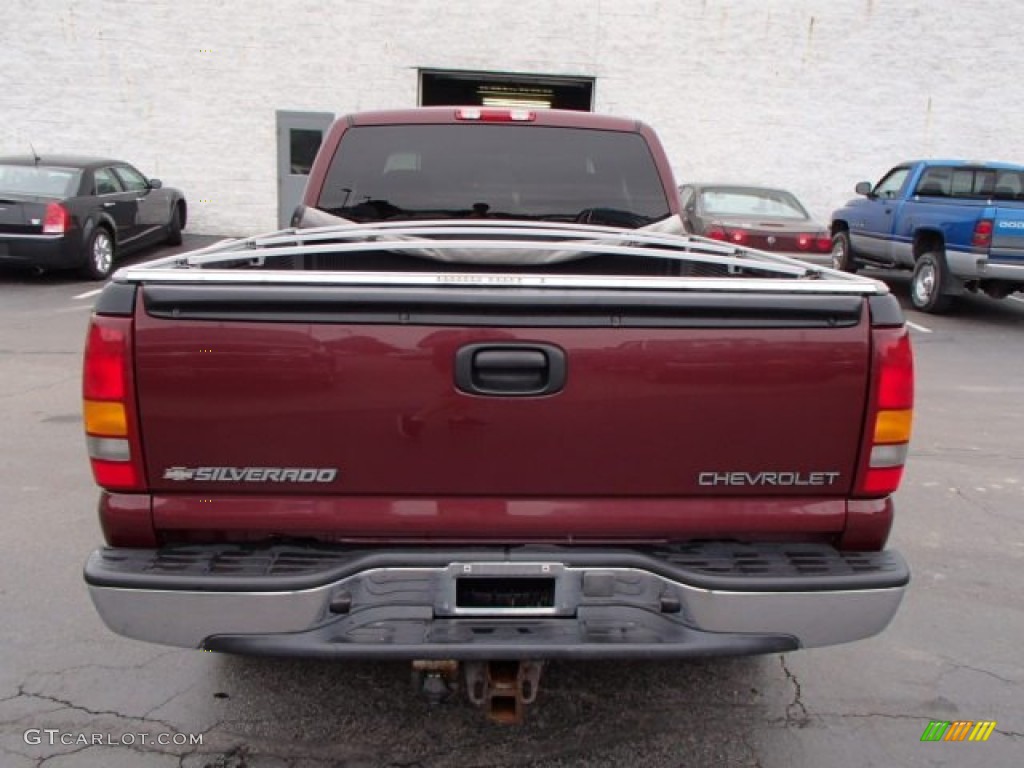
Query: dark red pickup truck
[488,404]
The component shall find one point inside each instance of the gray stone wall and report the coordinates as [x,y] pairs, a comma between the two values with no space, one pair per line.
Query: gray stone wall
[813,95]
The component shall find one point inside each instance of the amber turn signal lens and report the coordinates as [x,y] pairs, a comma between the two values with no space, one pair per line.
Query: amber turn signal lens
[105,418]
[893,426]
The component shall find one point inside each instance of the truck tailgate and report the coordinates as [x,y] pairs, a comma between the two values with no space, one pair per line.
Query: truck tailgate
[712,398]
[1008,234]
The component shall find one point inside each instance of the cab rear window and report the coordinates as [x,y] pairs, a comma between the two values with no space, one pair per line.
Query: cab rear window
[969,182]
[494,171]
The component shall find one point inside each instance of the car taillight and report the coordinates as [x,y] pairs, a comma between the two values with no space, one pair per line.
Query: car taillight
[821,243]
[738,236]
[890,414]
[982,233]
[715,233]
[108,405]
[56,220]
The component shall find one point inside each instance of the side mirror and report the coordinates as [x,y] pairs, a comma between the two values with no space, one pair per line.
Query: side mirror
[155,183]
[863,188]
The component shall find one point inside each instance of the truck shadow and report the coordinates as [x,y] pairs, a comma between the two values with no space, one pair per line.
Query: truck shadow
[600,713]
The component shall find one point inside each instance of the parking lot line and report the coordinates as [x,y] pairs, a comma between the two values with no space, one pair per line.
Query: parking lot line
[88,294]
[920,328]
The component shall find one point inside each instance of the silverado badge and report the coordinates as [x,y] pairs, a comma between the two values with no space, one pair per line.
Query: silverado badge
[252,474]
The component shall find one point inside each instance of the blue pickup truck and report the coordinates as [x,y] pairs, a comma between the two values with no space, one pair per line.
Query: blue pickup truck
[958,225]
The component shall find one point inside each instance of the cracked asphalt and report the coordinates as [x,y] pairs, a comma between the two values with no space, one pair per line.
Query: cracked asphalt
[954,651]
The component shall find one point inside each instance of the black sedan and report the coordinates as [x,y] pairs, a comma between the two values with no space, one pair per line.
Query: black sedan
[60,212]
[756,217]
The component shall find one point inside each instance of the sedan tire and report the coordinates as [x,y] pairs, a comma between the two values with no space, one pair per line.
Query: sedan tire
[174,226]
[99,254]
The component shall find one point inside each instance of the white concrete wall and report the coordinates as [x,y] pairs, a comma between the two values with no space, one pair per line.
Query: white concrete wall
[809,94]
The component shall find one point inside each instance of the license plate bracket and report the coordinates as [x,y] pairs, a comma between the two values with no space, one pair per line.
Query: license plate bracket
[507,589]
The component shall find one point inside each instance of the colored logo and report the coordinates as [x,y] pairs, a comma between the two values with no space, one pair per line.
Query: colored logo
[958,730]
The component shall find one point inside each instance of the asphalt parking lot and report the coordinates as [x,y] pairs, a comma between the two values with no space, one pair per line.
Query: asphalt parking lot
[954,651]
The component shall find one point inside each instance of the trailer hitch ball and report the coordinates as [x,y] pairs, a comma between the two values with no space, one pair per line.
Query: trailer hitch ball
[436,680]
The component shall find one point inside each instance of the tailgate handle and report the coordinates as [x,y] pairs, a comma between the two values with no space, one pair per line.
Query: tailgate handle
[510,370]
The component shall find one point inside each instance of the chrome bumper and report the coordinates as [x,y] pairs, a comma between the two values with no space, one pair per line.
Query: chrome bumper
[972,266]
[615,604]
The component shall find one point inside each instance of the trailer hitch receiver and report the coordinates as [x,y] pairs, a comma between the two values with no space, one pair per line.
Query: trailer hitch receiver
[503,688]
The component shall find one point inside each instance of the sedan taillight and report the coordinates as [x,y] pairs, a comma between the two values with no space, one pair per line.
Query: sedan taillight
[819,242]
[56,220]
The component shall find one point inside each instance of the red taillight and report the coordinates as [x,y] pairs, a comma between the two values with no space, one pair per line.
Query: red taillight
[820,243]
[115,475]
[108,405]
[881,481]
[103,374]
[889,415]
[982,233]
[56,220]
[895,387]
[738,236]
[715,233]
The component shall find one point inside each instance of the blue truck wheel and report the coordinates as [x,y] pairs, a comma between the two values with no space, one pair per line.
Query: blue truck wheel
[927,284]
[842,253]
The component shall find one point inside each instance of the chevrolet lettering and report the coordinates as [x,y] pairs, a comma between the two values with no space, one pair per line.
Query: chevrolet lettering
[767,478]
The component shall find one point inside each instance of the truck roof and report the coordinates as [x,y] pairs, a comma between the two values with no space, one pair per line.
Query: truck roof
[972,163]
[441,115]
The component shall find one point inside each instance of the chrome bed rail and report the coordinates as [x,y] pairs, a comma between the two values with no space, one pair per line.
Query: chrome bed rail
[245,260]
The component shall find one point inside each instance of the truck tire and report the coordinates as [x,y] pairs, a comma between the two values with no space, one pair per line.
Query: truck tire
[928,282]
[842,253]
